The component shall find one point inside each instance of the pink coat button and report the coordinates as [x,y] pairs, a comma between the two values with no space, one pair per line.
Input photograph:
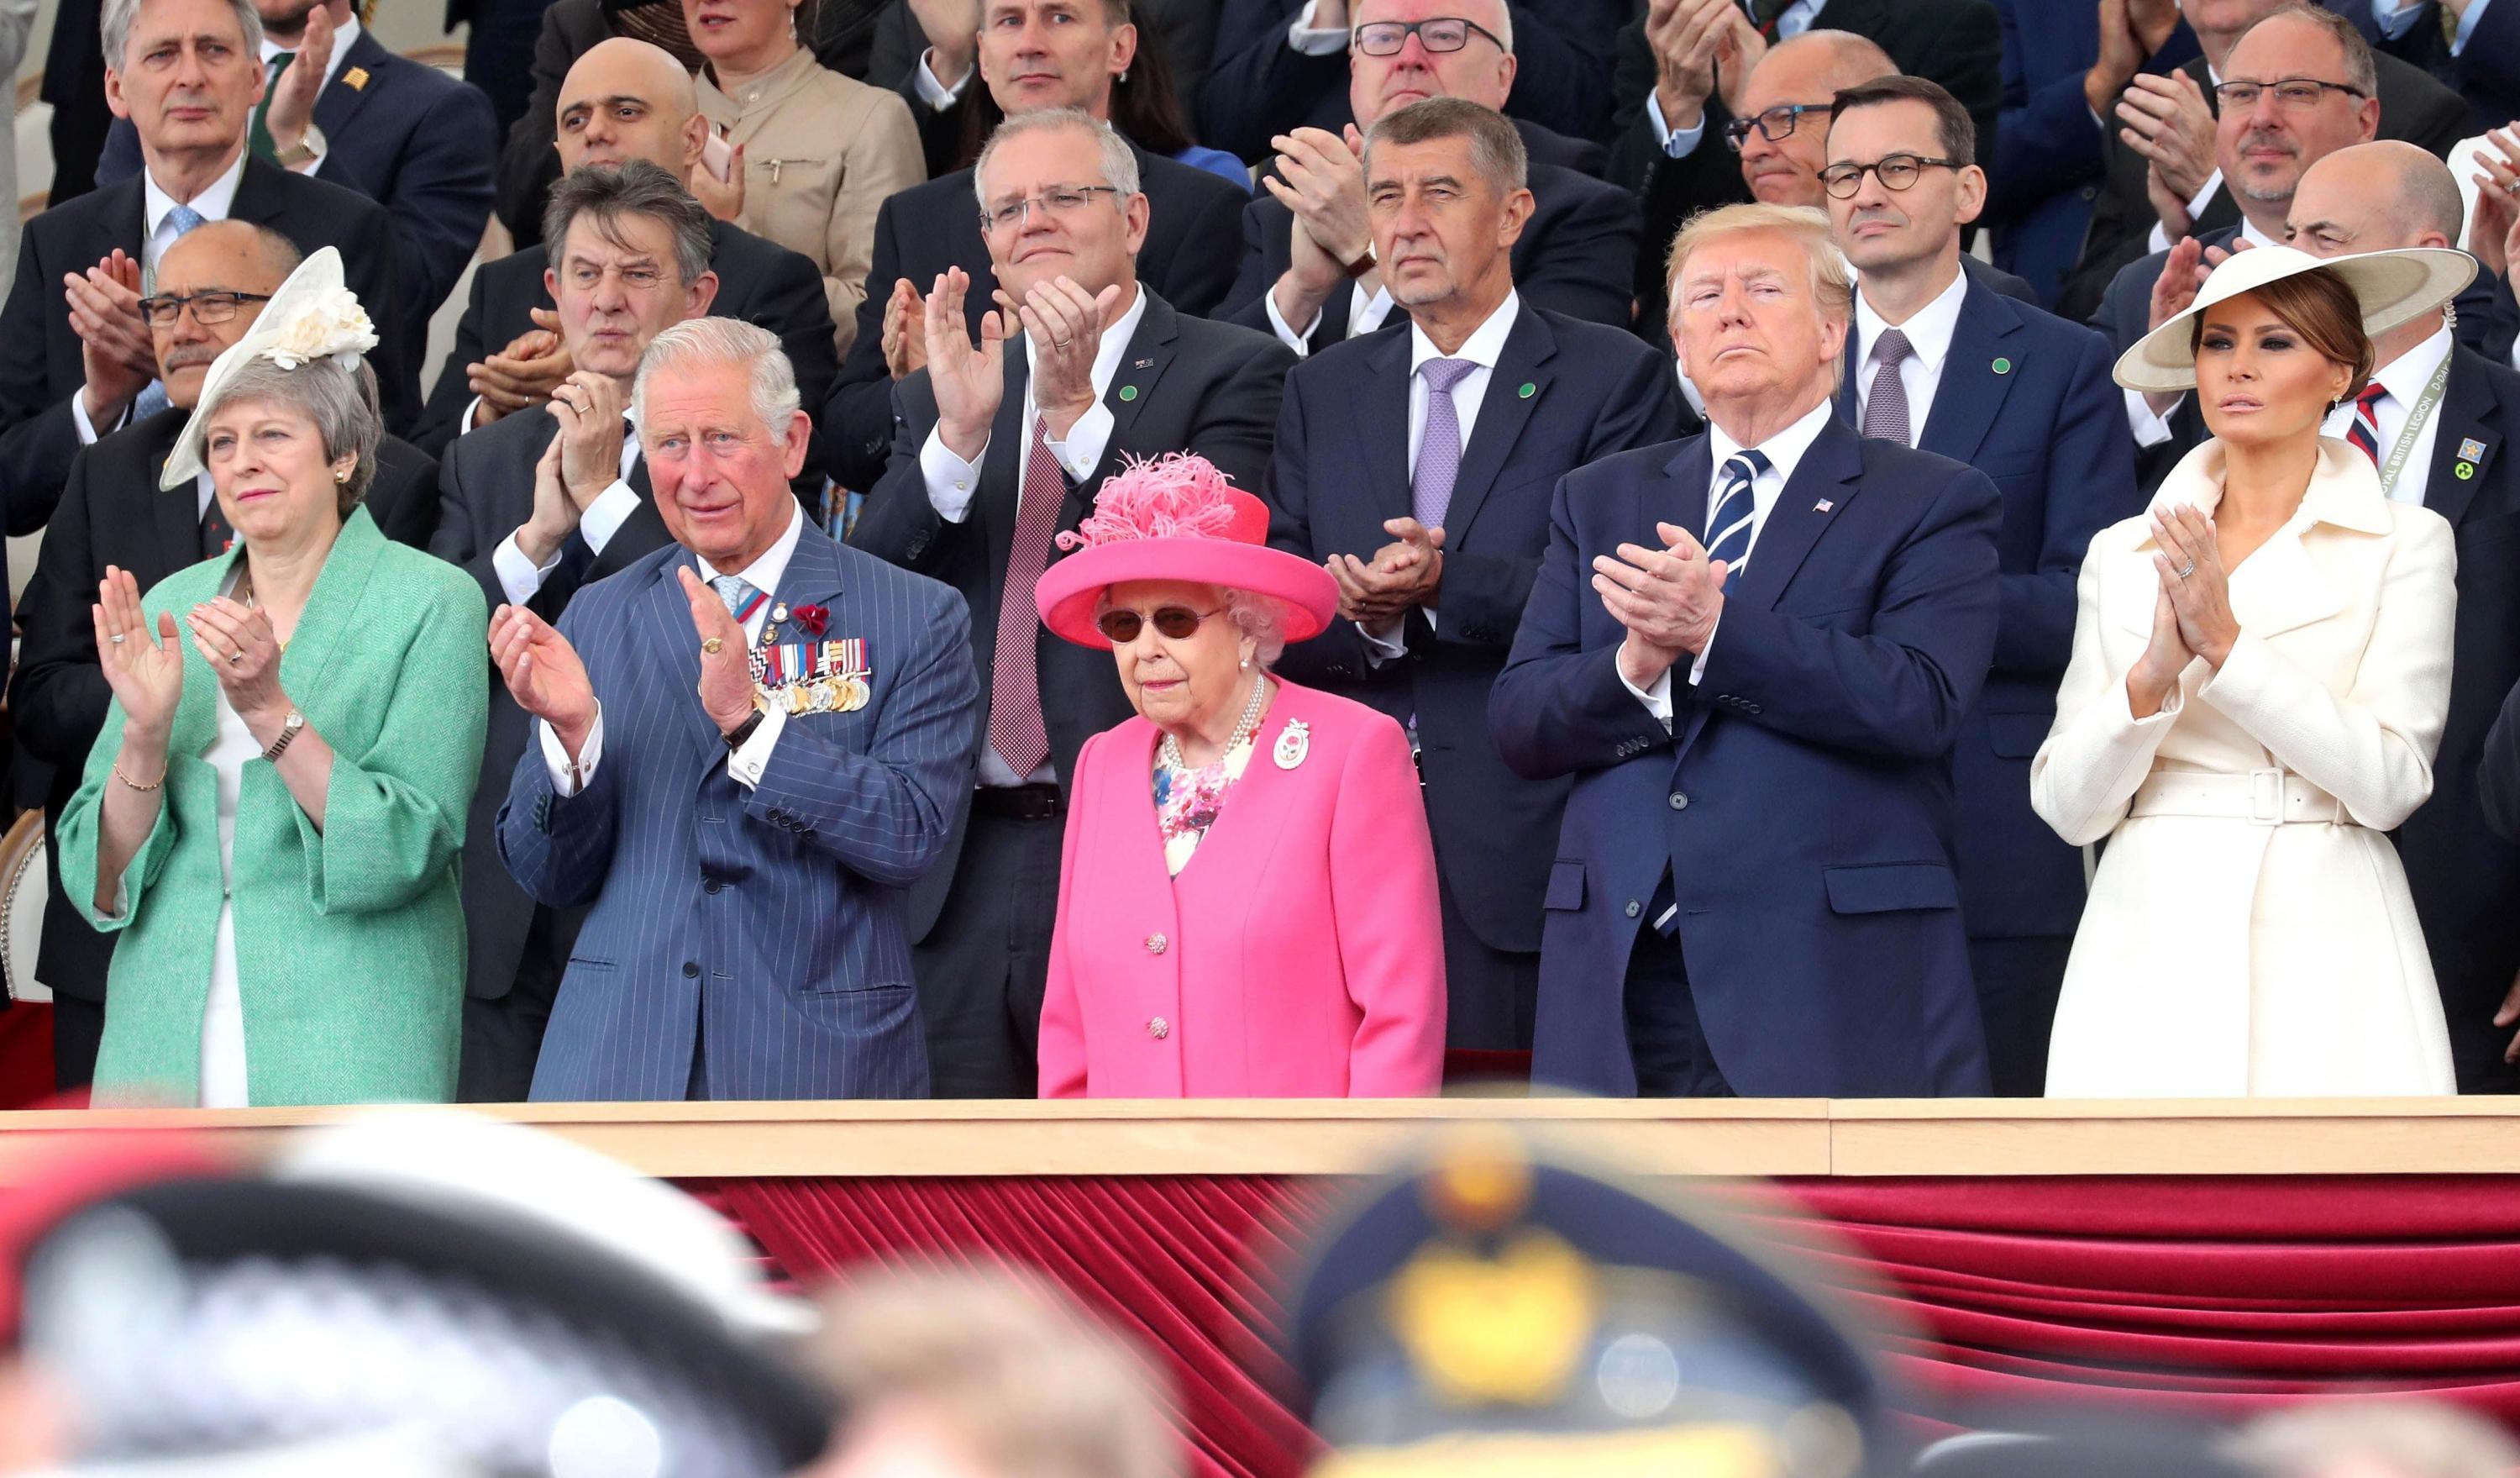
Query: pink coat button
[1155,943]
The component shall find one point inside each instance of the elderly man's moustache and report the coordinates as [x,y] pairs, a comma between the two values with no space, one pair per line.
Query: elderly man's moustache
[190,356]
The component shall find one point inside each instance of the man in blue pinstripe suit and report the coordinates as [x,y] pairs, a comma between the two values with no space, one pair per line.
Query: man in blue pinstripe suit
[761,749]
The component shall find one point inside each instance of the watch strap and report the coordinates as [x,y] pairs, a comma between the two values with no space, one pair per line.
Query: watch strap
[287,732]
[736,736]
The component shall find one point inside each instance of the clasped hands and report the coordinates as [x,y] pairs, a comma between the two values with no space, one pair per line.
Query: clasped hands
[544,675]
[1407,572]
[2192,613]
[1669,600]
[1064,323]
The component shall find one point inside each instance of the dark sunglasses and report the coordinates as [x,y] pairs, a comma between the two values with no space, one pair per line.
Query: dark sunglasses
[1173,622]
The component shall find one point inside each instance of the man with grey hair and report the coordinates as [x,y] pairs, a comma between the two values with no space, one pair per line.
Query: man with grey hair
[998,444]
[76,361]
[1308,273]
[1418,469]
[747,746]
[539,504]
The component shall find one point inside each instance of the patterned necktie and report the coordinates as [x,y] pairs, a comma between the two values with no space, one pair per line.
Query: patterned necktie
[1885,413]
[152,395]
[737,592]
[217,536]
[1439,445]
[1015,728]
[258,137]
[2366,430]
[1731,529]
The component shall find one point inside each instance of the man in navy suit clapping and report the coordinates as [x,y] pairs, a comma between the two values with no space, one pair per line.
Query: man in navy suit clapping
[1753,651]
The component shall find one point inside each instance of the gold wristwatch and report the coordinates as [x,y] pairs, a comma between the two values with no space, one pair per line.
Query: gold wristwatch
[309,144]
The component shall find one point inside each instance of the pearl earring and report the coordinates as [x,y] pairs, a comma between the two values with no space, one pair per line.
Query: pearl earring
[341,477]
[1246,664]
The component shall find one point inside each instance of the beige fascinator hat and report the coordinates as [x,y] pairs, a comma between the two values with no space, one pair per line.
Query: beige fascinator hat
[2393,288]
[313,316]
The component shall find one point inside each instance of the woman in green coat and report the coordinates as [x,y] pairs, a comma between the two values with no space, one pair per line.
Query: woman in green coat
[273,815]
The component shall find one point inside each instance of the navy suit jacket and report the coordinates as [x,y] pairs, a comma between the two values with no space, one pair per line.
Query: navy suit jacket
[2485,71]
[411,138]
[2048,428]
[1564,392]
[1188,260]
[1802,800]
[768,921]
[1576,256]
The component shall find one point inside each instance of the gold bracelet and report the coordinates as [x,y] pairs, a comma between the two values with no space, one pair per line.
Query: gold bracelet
[156,784]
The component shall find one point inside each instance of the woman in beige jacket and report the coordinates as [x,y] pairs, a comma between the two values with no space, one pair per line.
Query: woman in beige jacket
[2260,673]
[808,155]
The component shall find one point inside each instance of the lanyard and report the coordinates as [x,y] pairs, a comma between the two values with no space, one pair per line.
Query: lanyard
[2415,420]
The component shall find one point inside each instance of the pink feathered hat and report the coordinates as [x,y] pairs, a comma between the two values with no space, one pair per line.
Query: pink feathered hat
[1178,517]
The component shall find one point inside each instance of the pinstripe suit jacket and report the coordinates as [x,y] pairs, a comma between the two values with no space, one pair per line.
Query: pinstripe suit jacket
[767,921]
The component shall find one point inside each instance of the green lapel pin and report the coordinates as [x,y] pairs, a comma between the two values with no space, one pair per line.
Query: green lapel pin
[2466,471]
[1528,390]
[1128,392]
[2003,366]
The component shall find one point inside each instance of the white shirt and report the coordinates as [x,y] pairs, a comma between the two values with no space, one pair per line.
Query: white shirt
[1792,22]
[2395,19]
[933,93]
[519,579]
[1366,312]
[2405,377]
[1785,452]
[1929,333]
[2152,430]
[1484,346]
[745,766]
[156,234]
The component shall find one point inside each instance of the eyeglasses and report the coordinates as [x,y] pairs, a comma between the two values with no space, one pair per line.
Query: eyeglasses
[1173,622]
[1776,125]
[1059,199]
[1897,171]
[1439,34]
[208,308]
[2292,94]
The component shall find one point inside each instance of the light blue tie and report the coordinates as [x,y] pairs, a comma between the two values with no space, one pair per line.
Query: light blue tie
[735,591]
[153,397]
[1728,532]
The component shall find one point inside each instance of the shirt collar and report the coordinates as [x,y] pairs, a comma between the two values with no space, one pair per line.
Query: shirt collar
[2250,233]
[763,90]
[764,573]
[1929,329]
[1115,343]
[344,36]
[1785,450]
[2406,375]
[1484,346]
[216,198]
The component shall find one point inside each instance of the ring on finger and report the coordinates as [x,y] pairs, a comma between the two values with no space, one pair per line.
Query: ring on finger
[2190,570]
[116,638]
[237,656]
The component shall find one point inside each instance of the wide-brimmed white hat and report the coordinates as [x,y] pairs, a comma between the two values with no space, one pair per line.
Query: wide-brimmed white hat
[2393,288]
[312,316]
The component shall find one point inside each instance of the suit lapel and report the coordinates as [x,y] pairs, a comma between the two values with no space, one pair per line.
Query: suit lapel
[258,195]
[678,647]
[1516,389]
[122,222]
[175,512]
[1971,393]
[641,534]
[1383,406]
[1829,472]
[1132,384]
[2468,413]
[334,602]
[340,102]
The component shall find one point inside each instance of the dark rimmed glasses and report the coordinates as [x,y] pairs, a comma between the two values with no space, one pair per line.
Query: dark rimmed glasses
[1897,171]
[2292,94]
[1437,33]
[1776,125]
[208,308]
[1172,622]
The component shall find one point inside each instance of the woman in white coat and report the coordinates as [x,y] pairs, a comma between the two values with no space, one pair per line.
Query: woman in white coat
[2259,671]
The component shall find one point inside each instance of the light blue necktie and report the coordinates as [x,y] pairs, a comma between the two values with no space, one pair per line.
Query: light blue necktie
[735,591]
[153,397]
[1728,532]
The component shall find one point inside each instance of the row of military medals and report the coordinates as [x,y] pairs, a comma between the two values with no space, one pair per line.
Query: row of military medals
[808,676]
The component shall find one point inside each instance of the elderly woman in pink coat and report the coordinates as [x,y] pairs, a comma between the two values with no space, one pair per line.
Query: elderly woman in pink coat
[1247,906]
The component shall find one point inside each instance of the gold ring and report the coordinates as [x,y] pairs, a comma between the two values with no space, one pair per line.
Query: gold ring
[713,645]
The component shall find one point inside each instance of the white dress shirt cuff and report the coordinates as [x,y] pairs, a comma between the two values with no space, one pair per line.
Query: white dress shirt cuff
[2158,240]
[952,483]
[87,431]
[2149,430]
[471,417]
[1697,667]
[1312,40]
[1384,645]
[1080,452]
[1679,144]
[752,756]
[1655,696]
[933,93]
[519,579]
[1285,331]
[568,779]
[604,517]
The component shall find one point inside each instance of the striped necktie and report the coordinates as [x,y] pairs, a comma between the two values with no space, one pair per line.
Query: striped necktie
[1729,531]
[2366,430]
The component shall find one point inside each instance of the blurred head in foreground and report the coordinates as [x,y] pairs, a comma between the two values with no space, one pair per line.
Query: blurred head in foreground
[1487,1312]
[2377,1439]
[411,1295]
[979,1377]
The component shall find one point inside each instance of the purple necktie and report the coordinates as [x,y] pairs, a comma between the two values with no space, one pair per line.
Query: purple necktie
[1439,446]
[1885,414]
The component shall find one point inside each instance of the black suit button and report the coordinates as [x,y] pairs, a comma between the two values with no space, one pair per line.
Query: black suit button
[809,833]
[714,885]
[691,970]
[1749,707]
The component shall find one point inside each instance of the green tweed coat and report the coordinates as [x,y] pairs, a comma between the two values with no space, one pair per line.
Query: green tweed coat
[349,941]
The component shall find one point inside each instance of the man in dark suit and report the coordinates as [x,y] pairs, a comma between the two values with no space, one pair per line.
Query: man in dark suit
[400,132]
[77,365]
[112,513]
[2065,64]
[625,99]
[1418,464]
[535,540]
[1689,69]
[1942,364]
[922,232]
[74,86]
[743,844]
[1282,65]
[2171,180]
[1308,275]
[2472,49]
[1000,446]
[1753,651]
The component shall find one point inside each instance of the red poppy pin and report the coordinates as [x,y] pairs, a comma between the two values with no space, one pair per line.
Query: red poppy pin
[813,618]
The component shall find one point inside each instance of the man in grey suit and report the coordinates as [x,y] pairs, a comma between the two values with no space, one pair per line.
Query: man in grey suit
[761,749]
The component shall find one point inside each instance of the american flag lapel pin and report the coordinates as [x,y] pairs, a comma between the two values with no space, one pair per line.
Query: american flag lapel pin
[1822,506]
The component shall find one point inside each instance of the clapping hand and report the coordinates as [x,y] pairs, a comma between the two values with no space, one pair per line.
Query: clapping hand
[1685,36]
[726,661]
[147,676]
[117,353]
[1402,573]
[2494,231]
[1320,177]
[969,379]
[1669,599]
[292,99]
[2167,122]
[543,674]
[904,336]
[2189,562]
[241,647]
[522,374]
[1065,325]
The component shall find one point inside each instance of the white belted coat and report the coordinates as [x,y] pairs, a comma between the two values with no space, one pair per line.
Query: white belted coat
[2249,930]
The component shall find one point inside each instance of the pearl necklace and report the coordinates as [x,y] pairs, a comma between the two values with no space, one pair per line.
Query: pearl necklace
[1170,752]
